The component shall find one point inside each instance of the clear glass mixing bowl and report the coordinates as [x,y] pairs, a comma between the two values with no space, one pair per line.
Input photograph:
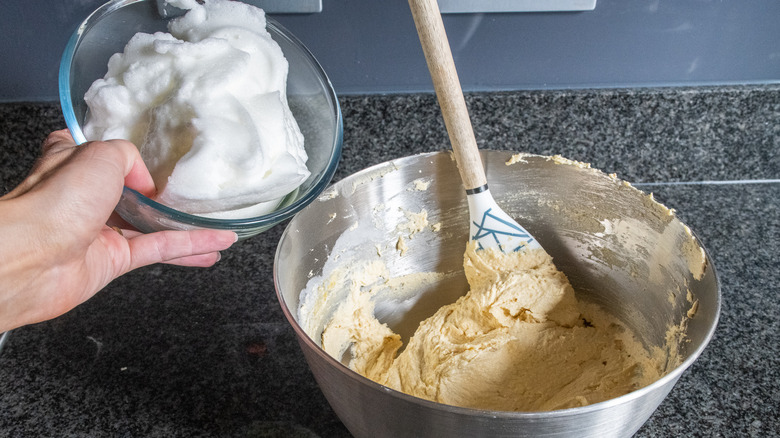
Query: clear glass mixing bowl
[310,94]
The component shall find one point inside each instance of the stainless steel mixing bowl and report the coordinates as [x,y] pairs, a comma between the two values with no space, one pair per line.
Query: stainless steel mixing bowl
[619,248]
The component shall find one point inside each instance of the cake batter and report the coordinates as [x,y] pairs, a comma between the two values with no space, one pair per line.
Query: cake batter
[519,340]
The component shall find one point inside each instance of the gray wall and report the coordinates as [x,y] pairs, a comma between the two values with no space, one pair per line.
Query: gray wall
[370,46]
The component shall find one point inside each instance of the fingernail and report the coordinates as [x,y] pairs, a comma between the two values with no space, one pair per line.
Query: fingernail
[219,257]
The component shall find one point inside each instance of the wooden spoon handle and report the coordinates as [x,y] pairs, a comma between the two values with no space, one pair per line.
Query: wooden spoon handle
[438,55]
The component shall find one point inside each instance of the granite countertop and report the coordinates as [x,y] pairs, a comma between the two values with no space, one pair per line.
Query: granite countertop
[175,352]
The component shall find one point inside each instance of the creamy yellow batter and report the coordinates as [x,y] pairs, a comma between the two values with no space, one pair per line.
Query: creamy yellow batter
[519,340]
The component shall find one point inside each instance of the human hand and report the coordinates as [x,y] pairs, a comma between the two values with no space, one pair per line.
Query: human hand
[56,249]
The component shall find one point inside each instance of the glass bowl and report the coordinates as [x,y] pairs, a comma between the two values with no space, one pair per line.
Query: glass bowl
[312,101]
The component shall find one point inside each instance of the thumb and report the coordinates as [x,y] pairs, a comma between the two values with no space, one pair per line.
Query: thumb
[137,176]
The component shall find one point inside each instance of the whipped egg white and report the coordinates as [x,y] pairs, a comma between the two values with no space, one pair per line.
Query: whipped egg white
[206,105]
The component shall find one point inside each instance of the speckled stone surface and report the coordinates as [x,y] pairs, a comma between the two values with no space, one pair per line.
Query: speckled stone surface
[175,352]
